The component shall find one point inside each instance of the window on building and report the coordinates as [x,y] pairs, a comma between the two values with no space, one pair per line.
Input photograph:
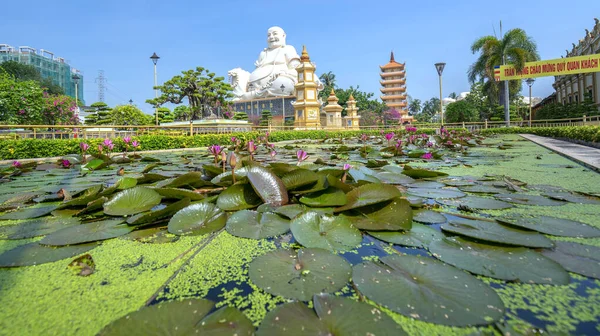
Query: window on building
[576,98]
[570,99]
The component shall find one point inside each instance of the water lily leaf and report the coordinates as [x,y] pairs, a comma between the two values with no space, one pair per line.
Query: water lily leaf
[174,318]
[394,178]
[89,195]
[299,274]
[458,183]
[504,263]
[82,266]
[428,217]
[426,184]
[334,316]
[149,159]
[154,235]
[573,198]
[151,178]
[37,227]
[415,202]
[552,226]
[419,236]
[428,290]
[369,194]
[528,199]
[359,175]
[393,169]
[577,258]
[126,183]
[256,225]
[92,206]
[28,213]
[299,178]
[199,218]
[497,233]
[238,197]
[226,179]
[151,166]
[36,254]
[212,170]
[334,233]
[154,216]
[183,180]
[178,193]
[476,203]
[371,163]
[281,168]
[291,210]
[225,321]
[96,164]
[132,201]
[268,186]
[483,189]
[391,215]
[329,197]
[435,193]
[419,173]
[321,184]
[86,233]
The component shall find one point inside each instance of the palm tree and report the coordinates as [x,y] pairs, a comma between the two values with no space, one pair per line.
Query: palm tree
[414,106]
[515,48]
[328,79]
[453,95]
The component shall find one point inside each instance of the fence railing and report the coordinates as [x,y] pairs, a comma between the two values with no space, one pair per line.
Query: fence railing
[114,131]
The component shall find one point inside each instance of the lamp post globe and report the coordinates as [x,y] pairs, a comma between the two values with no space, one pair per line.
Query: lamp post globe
[154,59]
[530,82]
[440,69]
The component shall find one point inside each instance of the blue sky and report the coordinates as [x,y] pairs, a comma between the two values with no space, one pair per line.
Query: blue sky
[350,38]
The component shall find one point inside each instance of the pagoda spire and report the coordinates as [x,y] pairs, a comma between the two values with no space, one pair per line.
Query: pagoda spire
[304,57]
[392,60]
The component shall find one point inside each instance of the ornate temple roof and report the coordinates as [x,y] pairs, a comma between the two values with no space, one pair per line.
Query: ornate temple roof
[392,64]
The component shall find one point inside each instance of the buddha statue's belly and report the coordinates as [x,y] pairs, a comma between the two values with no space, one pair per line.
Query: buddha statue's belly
[266,71]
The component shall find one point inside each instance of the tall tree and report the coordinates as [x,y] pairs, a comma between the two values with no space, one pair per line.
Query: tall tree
[25,72]
[431,108]
[515,48]
[165,115]
[181,113]
[414,106]
[453,95]
[329,82]
[129,115]
[21,102]
[59,110]
[460,111]
[203,90]
[98,114]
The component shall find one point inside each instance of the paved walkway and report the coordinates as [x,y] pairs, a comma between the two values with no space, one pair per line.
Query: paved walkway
[587,156]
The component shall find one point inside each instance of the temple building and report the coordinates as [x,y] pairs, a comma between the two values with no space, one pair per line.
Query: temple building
[333,112]
[307,106]
[393,87]
[352,119]
[573,88]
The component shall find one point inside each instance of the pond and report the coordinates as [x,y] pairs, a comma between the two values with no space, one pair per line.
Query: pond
[397,234]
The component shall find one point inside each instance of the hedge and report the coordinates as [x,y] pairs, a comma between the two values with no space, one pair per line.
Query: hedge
[579,133]
[40,148]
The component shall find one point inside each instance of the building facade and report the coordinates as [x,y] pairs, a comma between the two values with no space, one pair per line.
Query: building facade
[572,88]
[393,87]
[55,68]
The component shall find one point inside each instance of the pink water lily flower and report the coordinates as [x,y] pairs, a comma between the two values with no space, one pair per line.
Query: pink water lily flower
[251,147]
[233,140]
[389,136]
[127,140]
[100,149]
[301,155]
[346,167]
[16,164]
[273,153]
[65,163]
[363,137]
[135,144]
[215,149]
[427,156]
[84,147]
[108,144]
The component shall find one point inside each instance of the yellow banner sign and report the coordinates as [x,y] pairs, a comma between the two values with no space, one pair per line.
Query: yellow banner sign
[555,67]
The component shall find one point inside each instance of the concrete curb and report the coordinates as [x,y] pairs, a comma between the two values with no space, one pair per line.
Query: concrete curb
[584,155]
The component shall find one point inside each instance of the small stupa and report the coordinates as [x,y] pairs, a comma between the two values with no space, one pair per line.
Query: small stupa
[306,107]
[333,112]
[352,118]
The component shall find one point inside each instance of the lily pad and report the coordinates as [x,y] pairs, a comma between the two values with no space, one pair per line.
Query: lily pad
[368,194]
[504,263]
[428,290]
[552,226]
[573,198]
[299,274]
[435,193]
[28,213]
[334,316]
[200,218]
[496,233]
[329,197]
[37,227]
[426,184]
[238,197]
[86,233]
[419,173]
[126,183]
[321,184]
[92,206]
[474,202]
[577,258]
[36,254]
[428,217]
[268,186]
[256,225]
[418,236]
[298,178]
[178,318]
[334,233]
[394,178]
[291,210]
[390,215]
[178,193]
[154,216]
[89,195]
[483,189]
[132,201]
[358,176]
[528,199]
[184,180]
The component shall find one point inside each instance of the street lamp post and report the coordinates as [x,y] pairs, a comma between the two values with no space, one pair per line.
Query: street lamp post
[440,68]
[76,79]
[529,82]
[282,87]
[130,101]
[154,59]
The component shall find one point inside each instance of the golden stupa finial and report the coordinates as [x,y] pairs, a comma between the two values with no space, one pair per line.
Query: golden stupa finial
[332,93]
[392,60]
[304,57]
[351,97]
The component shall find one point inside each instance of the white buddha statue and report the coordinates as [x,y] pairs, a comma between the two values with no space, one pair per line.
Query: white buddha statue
[275,73]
